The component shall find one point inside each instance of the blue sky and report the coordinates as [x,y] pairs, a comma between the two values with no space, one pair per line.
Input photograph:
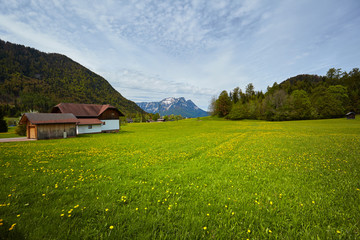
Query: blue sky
[152,49]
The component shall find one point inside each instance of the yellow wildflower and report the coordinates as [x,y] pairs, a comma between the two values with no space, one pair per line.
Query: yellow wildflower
[204,228]
[12,227]
[338,231]
[111,227]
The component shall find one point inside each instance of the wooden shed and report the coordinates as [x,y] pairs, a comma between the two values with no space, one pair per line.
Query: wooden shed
[49,125]
[350,115]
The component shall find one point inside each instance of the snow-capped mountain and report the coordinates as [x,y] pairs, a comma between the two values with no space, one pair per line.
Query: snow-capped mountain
[176,106]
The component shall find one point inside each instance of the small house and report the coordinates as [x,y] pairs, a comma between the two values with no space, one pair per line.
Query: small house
[93,118]
[350,115]
[49,125]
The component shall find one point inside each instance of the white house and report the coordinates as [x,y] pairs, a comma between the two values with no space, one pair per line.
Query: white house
[93,118]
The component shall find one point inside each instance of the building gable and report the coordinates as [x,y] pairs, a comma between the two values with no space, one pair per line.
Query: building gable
[87,110]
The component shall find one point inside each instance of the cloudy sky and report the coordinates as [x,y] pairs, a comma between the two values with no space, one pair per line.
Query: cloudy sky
[152,49]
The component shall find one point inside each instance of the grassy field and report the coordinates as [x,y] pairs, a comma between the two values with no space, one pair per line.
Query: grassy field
[187,180]
[10,134]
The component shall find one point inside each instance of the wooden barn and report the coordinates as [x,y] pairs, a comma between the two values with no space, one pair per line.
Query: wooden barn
[93,118]
[49,125]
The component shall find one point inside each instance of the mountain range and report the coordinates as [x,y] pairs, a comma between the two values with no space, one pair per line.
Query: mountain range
[176,106]
[34,80]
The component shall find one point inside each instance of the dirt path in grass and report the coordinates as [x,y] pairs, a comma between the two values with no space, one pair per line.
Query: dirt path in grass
[18,139]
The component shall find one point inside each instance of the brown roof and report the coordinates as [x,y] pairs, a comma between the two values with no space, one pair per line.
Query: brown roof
[89,121]
[48,118]
[84,110]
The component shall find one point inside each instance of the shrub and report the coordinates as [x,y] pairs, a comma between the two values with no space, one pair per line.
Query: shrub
[3,126]
[21,130]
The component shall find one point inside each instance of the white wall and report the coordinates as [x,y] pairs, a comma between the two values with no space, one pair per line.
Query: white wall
[110,125]
[82,129]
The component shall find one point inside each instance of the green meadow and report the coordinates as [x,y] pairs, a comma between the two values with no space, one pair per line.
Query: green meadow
[189,179]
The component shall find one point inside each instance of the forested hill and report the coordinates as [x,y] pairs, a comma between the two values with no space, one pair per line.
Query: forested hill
[300,97]
[33,80]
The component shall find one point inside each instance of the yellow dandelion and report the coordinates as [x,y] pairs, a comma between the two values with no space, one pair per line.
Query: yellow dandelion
[136,209]
[18,215]
[204,228]
[208,214]
[69,215]
[270,231]
[9,195]
[111,227]
[313,202]
[232,213]
[61,215]
[76,206]
[106,210]
[1,223]
[338,231]
[270,202]
[249,231]
[12,227]
[43,194]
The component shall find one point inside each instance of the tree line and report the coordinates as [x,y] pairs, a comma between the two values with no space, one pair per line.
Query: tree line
[298,98]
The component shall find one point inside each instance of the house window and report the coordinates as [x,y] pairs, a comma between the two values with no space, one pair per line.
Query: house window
[89,126]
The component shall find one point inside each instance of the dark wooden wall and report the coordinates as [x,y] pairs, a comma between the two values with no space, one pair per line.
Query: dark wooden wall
[109,114]
[47,131]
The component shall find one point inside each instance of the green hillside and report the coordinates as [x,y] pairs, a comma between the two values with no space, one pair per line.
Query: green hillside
[33,80]
[301,97]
